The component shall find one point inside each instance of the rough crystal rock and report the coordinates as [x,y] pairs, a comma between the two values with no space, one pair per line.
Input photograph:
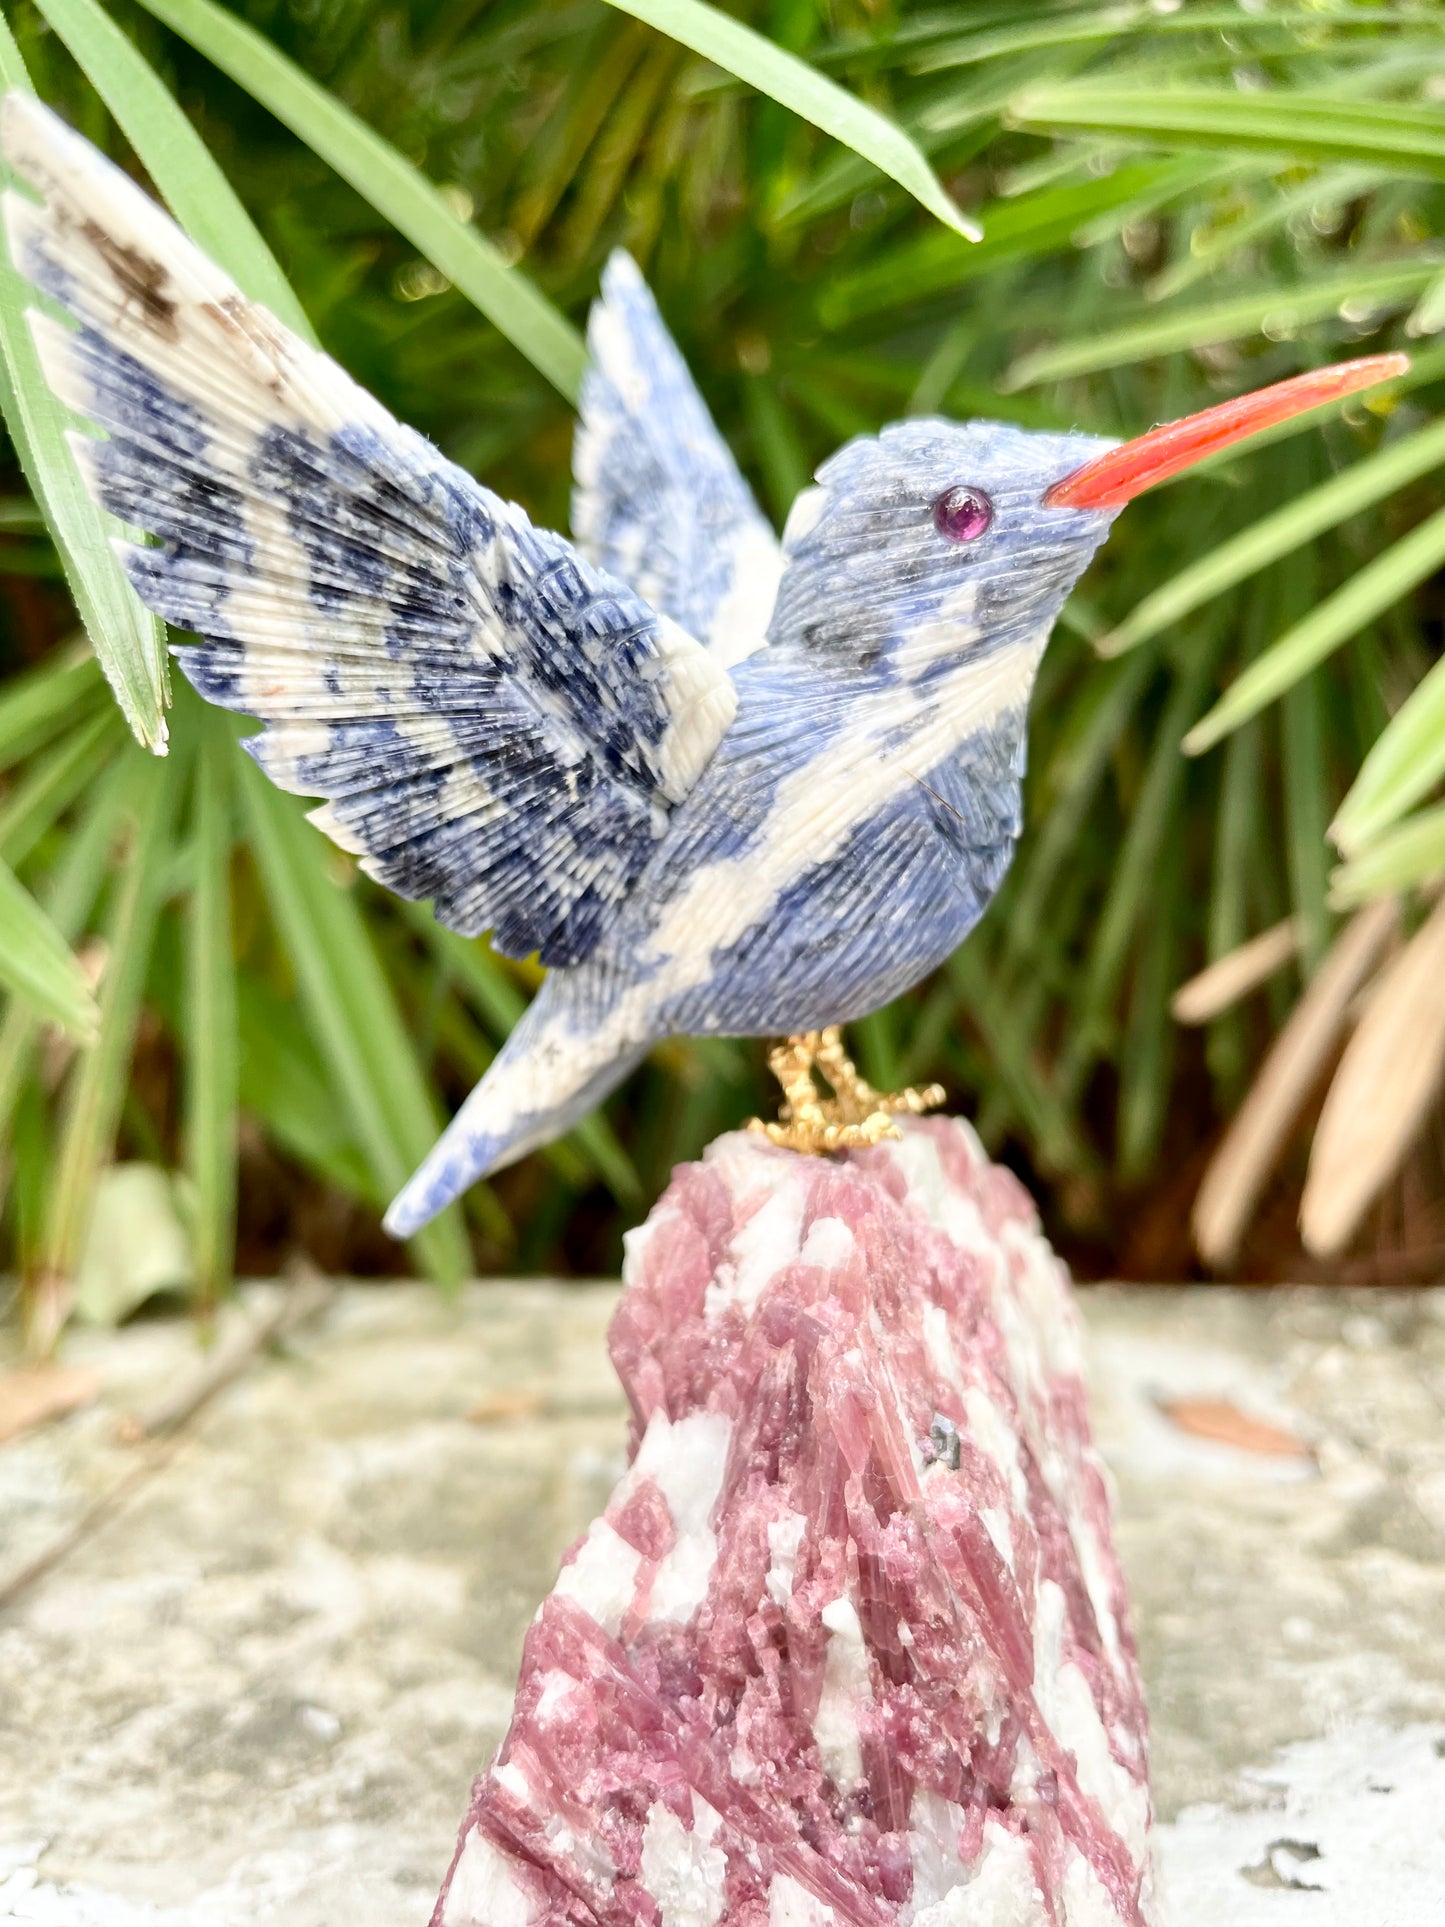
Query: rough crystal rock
[850,1643]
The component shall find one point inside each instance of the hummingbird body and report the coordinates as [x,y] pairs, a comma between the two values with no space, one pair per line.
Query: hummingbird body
[717,784]
[856,818]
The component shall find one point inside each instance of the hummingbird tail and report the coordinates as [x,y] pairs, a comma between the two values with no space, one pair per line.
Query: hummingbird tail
[545,1079]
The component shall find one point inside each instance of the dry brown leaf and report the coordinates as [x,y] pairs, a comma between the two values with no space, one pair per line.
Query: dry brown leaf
[1217,1419]
[1380,1095]
[34,1394]
[1234,976]
[1241,1166]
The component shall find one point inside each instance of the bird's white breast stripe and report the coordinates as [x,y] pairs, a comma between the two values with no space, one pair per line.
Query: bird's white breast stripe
[812,817]
[819,806]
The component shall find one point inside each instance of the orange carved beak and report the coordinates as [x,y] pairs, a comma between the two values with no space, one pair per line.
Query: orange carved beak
[1124,472]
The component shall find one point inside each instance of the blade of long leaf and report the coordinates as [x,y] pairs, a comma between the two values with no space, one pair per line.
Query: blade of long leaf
[351,1009]
[1411,854]
[284,1083]
[54,780]
[1149,1039]
[1076,783]
[1333,621]
[44,702]
[1123,22]
[1379,283]
[392,185]
[1265,541]
[1132,884]
[1404,137]
[1276,210]
[961,117]
[98,1080]
[1380,1095]
[1428,316]
[554,160]
[212,1069]
[1017,229]
[1234,869]
[1047,1117]
[785,467]
[127,639]
[1306,814]
[1219,987]
[38,965]
[1240,1168]
[67,897]
[1406,762]
[782,75]
[174,155]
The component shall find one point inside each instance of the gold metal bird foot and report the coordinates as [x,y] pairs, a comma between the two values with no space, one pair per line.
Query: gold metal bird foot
[854,1115]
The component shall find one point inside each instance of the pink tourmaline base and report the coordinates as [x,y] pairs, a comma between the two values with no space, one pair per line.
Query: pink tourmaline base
[850,1642]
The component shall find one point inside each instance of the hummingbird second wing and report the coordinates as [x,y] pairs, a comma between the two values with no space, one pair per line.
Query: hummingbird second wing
[495,723]
[659,500]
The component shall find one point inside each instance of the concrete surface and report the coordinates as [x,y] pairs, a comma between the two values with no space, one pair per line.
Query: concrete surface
[259,1691]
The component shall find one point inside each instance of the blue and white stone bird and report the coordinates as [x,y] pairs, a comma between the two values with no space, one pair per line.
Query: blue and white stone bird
[718,783]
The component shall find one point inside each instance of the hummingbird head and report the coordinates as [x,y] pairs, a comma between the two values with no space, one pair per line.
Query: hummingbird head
[937,542]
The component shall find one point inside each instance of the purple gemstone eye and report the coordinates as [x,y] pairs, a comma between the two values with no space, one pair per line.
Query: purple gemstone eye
[962,513]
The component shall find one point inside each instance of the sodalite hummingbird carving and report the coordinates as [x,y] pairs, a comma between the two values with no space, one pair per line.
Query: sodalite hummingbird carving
[718,783]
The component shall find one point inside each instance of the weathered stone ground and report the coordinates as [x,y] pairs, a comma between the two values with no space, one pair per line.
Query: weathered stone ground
[259,1691]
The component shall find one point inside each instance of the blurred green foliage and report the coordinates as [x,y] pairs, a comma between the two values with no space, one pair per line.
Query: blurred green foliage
[1177,202]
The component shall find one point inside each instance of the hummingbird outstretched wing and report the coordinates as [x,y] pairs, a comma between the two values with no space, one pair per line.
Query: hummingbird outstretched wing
[658,499]
[494,722]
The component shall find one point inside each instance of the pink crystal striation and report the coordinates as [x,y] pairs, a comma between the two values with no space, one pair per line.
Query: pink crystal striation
[850,1642]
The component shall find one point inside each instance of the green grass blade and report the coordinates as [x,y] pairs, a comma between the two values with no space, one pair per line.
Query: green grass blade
[1018,229]
[392,185]
[212,1070]
[1148,1044]
[68,897]
[1399,136]
[776,446]
[1405,857]
[97,1085]
[174,155]
[1276,210]
[1138,22]
[1333,621]
[352,1012]
[1381,284]
[962,118]
[1050,1121]
[1227,1046]
[1428,316]
[1074,782]
[1265,541]
[1306,814]
[284,1084]
[811,95]
[1407,761]
[472,965]
[37,964]
[54,781]
[1132,885]
[127,639]
[42,703]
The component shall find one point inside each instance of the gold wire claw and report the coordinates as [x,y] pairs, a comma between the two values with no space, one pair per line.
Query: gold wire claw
[854,1115]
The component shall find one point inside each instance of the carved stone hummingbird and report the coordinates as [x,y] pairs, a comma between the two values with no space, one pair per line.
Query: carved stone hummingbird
[717,783]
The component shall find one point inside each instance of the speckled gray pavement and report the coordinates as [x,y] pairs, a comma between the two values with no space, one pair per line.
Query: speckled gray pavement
[260,1691]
